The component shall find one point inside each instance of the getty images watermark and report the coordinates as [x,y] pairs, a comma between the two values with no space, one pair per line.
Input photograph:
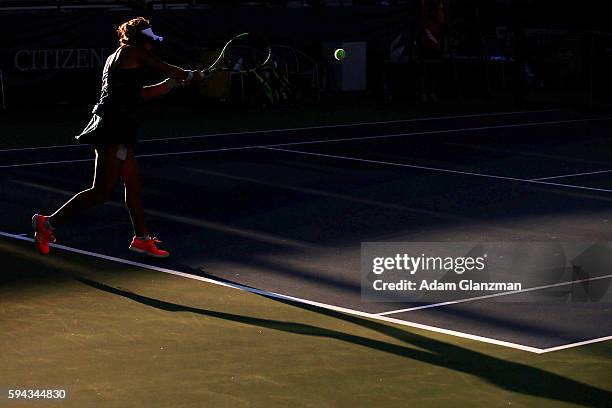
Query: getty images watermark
[501,271]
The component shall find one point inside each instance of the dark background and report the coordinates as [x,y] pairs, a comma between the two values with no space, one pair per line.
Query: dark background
[82,39]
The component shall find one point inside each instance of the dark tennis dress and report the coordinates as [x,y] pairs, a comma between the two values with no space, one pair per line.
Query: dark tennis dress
[115,117]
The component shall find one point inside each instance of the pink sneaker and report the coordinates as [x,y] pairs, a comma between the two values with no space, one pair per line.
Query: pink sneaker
[42,234]
[147,246]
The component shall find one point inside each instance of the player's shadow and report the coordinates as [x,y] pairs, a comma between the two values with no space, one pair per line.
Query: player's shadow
[512,376]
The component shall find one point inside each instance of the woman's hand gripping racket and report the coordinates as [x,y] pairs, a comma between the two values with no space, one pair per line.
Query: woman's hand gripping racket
[244,53]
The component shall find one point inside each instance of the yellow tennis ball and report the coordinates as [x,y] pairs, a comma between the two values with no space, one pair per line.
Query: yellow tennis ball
[339,54]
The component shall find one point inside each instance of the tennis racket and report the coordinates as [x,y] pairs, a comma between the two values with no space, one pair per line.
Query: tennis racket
[244,53]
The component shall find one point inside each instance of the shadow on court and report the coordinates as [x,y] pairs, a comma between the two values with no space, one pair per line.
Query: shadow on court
[515,377]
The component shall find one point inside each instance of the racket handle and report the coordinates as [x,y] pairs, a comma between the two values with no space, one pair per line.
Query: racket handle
[198,75]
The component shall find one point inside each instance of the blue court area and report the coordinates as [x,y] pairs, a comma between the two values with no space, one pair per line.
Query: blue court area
[284,212]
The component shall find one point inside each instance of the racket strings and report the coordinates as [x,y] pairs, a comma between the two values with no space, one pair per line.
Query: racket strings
[245,52]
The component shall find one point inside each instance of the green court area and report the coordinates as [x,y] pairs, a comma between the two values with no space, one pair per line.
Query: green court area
[117,335]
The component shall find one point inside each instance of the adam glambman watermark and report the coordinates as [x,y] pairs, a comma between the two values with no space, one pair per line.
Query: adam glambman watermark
[412,265]
[440,272]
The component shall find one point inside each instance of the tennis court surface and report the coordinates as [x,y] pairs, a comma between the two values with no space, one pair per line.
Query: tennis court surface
[281,215]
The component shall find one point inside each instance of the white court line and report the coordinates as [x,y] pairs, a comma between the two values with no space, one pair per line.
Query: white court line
[458,130]
[8,166]
[493,295]
[580,343]
[443,131]
[411,166]
[571,175]
[576,186]
[441,170]
[288,298]
[341,125]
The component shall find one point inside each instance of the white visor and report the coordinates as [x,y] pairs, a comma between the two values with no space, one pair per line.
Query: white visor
[149,33]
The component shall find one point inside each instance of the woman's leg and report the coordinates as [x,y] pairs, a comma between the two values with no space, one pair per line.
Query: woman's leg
[130,175]
[142,242]
[106,174]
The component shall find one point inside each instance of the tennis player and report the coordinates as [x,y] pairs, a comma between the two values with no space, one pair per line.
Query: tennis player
[112,133]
